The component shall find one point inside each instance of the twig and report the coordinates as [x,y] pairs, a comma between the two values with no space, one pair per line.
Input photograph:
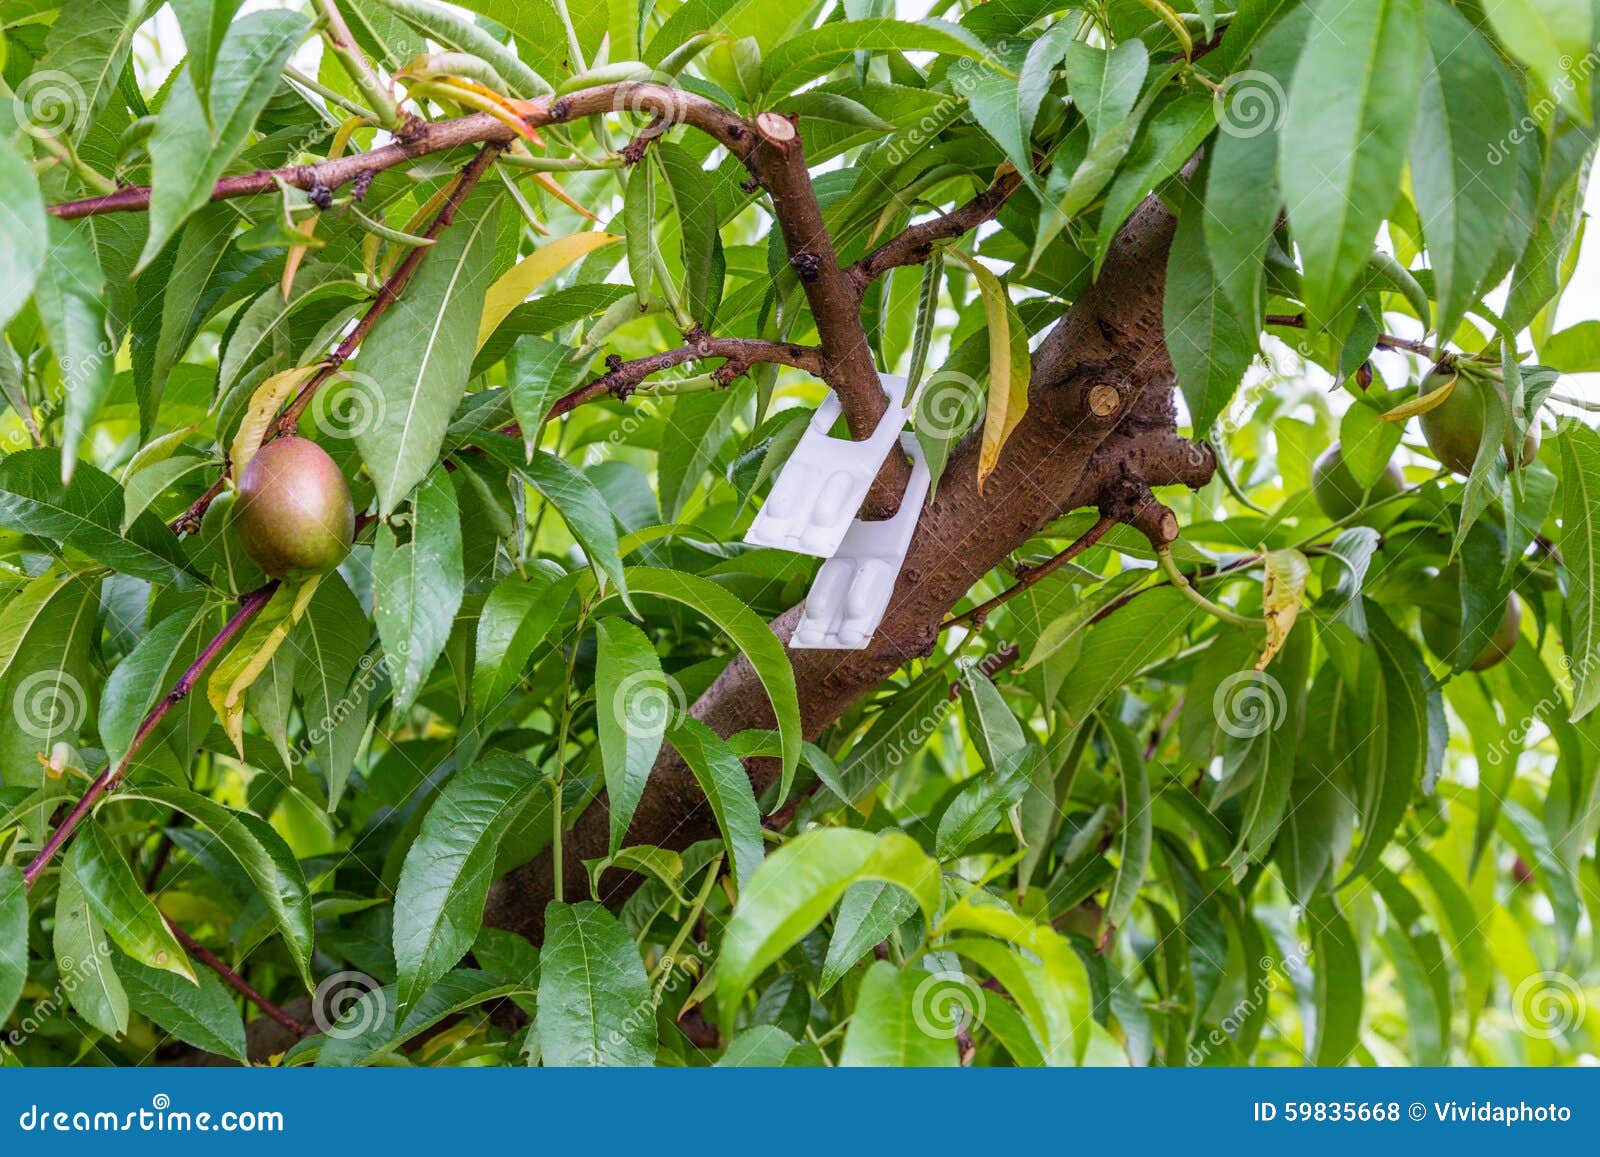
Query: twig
[914,243]
[1030,576]
[234,981]
[249,607]
[738,354]
[1386,341]
[356,66]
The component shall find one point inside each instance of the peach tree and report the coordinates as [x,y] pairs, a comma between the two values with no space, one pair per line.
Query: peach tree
[389,387]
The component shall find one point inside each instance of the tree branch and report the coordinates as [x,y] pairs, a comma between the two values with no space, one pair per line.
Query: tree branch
[738,354]
[1027,578]
[915,243]
[249,606]
[234,981]
[419,138]
[1100,409]
[779,164]
[1386,341]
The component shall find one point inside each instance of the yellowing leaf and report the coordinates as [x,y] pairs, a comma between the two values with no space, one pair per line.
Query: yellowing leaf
[1281,595]
[1420,404]
[1009,366]
[264,405]
[251,654]
[532,271]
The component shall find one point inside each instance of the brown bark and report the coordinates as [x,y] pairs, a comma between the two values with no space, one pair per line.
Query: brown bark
[1066,453]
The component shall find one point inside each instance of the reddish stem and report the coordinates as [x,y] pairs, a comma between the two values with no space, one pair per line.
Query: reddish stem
[249,606]
[234,981]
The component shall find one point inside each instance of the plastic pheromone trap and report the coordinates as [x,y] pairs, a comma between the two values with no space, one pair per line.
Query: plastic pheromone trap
[851,591]
[826,479]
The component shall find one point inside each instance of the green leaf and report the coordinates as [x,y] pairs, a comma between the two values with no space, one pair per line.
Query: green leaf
[1554,38]
[263,855]
[252,652]
[1580,550]
[417,587]
[148,672]
[47,632]
[694,195]
[128,915]
[89,44]
[807,55]
[515,618]
[86,514]
[438,905]
[1574,350]
[766,1046]
[868,915]
[204,24]
[1459,175]
[417,357]
[1116,650]
[752,636]
[1388,729]
[1242,195]
[330,677]
[71,297]
[192,144]
[1338,987]
[595,1006]
[798,884]
[1104,85]
[891,1025]
[1178,122]
[369,1028]
[639,218]
[202,1014]
[1134,839]
[583,508]
[23,232]
[722,777]
[13,938]
[1211,343]
[538,372]
[634,703]
[83,954]
[1352,104]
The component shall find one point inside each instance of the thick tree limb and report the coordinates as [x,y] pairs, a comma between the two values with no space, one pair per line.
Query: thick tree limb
[1068,451]
[779,164]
